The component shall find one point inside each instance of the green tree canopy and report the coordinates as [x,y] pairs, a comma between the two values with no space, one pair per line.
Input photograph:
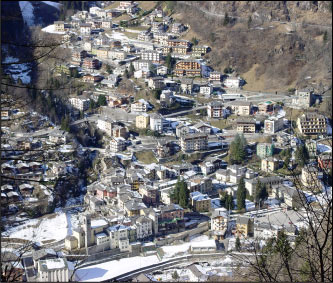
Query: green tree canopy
[237,150]
[102,100]
[302,155]
[241,194]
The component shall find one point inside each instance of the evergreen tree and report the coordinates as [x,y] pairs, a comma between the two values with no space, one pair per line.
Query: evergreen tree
[168,62]
[238,244]
[325,36]
[131,70]
[229,202]
[175,275]
[181,194]
[261,193]
[102,100]
[195,41]
[249,22]
[126,74]
[241,194]
[237,150]
[108,69]
[302,155]
[226,20]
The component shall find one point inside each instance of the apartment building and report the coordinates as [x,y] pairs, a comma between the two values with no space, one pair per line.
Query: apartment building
[193,142]
[269,164]
[142,121]
[312,124]
[117,144]
[140,106]
[79,103]
[79,55]
[214,76]
[273,124]
[304,98]
[265,107]
[246,125]
[199,50]
[178,42]
[59,26]
[188,68]
[91,63]
[265,149]
[180,50]
[232,82]
[85,28]
[219,222]
[151,56]
[241,108]
[156,122]
[215,109]
[200,202]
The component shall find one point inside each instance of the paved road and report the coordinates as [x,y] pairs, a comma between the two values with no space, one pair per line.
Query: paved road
[183,112]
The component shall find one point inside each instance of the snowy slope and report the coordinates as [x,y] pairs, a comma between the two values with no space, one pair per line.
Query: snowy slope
[53,4]
[27,12]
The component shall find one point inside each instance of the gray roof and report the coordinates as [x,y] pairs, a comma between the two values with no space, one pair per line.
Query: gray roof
[243,220]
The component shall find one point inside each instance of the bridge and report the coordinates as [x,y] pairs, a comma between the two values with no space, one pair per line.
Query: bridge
[184,112]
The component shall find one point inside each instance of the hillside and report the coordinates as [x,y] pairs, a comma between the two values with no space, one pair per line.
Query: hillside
[273,45]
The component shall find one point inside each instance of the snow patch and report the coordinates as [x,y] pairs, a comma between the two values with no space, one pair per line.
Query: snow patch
[53,4]
[27,12]
[51,29]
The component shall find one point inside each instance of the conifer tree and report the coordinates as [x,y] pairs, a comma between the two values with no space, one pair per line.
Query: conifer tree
[241,194]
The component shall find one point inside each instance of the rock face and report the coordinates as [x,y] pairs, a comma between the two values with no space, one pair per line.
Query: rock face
[274,45]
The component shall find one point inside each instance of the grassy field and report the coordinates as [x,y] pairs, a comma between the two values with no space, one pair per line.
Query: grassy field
[146,157]
[131,35]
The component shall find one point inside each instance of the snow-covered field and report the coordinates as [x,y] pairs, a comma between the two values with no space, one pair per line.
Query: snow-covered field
[108,270]
[323,148]
[45,229]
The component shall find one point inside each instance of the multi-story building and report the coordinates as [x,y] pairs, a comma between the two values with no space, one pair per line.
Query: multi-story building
[310,178]
[145,36]
[244,226]
[79,55]
[115,43]
[91,63]
[161,38]
[156,122]
[140,106]
[178,42]
[193,142]
[246,125]
[119,237]
[214,76]
[79,103]
[149,194]
[105,125]
[177,28]
[200,202]
[142,121]
[170,219]
[144,227]
[241,108]
[219,223]
[106,24]
[304,98]
[232,82]
[151,56]
[215,109]
[117,144]
[117,54]
[59,26]
[85,28]
[102,52]
[273,124]
[312,124]
[269,164]
[265,149]
[188,68]
[265,107]
[180,50]
[199,50]
[142,64]
[54,270]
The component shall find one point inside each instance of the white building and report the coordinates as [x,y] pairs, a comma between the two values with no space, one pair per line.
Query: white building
[117,144]
[151,56]
[156,122]
[206,89]
[193,142]
[54,270]
[232,82]
[105,125]
[144,227]
[273,124]
[119,237]
[79,103]
[140,106]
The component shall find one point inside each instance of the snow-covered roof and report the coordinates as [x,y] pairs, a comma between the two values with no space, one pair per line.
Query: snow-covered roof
[98,223]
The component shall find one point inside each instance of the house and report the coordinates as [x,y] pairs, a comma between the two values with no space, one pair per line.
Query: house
[156,122]
[164,148]
[156,83]
[117,144]
[166,98]
[142,121]
[200,202]
[196,275]
[269,164]
[91,63]
[161,38]
[273,124]
[26,190]
[182,129]
[304,97]
[311,146]
[202,127]
[58,136]
[291,196]
[312,124]
[78,55]
[219,221]
[115,43]
[265,149]
[325,161]
[140,106]
[199,184]
[150,195]
[215,76]
[265,107]
[92,78]
[119,237]
[144,227]
[215,109]
[240,108]
[246,125]
[178,42]
[193,142]
[145,35]
[102,52]
[117,54]
[111,81]
[177,28]
[85,28]
[186,85]
[206,89]
[170,219]
[244,227]
[232,82]
[106,24]
[310,178]
[81,104]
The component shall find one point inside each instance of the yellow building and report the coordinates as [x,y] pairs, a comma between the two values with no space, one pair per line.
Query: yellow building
[200,202]
[142,121]
[244,226]
[269,164]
